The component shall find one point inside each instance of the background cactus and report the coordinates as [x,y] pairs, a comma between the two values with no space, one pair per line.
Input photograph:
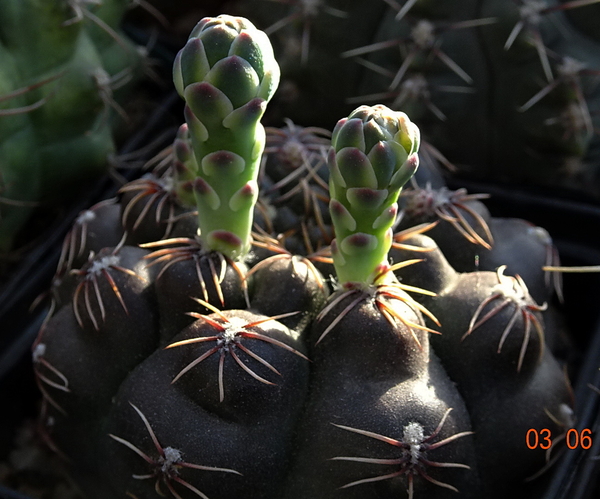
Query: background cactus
[507,91]
[65,66]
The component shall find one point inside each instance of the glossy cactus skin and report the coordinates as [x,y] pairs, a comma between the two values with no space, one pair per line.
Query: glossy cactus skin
[252,380]
[311,429]
[57,105]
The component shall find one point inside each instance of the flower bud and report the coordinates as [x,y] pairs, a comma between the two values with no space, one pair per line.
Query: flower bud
[374,153]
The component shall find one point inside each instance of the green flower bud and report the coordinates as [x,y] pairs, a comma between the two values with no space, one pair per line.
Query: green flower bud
[226,73]
[373,154]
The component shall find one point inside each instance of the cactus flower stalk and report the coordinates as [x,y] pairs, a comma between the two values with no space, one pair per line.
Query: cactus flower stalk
[373,154]
[226,73]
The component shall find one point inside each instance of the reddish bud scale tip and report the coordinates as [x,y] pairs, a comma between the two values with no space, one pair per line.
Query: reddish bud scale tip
[382,270]
[218,38]
[223,164]
[183,132]
[337,208]
[334,246]
[226,237]
[188,186]
[223,158]
[364,197]
[349,134]
[206,194]
[341,215]
[179,167]
[244,39]
[245,197]
[387,217]
[192,62]
[206,101]
[413,162]
[183,151]
[236,78]
[201,186]
[337,128]
[202,90]
[247,115]
[359,240]
[249,190]
[248,49]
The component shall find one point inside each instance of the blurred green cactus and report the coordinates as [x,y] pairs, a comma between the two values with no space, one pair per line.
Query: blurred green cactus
[60,63]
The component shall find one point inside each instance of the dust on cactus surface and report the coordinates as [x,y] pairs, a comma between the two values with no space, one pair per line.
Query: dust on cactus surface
[308,310]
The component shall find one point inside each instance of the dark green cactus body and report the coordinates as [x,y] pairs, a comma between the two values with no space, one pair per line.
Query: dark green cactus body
[492,327]
[248,427]
[318,428]
[360,385]
[247,391]
[471,239]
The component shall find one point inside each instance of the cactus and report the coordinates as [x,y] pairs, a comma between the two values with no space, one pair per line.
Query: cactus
[237,370]
[237,334]
[505,90]
[64,65]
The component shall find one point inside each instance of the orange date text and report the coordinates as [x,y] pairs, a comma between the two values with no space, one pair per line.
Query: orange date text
[573,438]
